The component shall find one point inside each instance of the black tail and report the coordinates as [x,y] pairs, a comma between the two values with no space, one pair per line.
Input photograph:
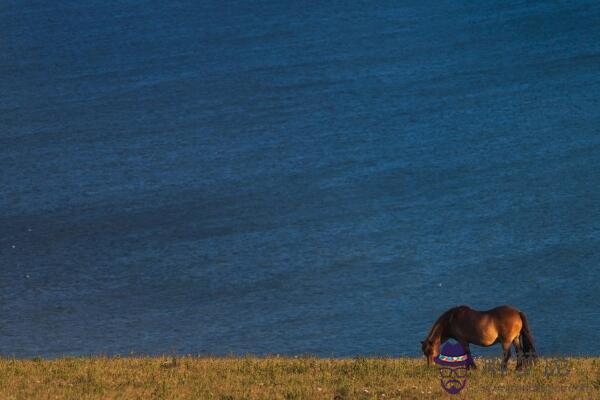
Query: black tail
[527,338]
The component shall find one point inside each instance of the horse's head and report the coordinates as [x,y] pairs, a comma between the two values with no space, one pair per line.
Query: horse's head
[430,350]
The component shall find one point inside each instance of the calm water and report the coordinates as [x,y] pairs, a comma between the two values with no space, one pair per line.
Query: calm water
[266,177]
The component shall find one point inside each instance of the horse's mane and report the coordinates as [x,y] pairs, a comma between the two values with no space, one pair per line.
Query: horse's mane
[441,322]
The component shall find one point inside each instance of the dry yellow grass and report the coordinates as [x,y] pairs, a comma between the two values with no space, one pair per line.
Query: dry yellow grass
[282,378]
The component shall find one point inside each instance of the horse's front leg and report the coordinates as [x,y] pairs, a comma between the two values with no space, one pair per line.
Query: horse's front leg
[468,350]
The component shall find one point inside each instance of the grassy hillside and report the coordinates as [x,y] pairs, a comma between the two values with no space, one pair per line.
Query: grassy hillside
[284,378]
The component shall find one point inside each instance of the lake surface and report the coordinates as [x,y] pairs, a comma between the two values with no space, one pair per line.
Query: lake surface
[269,177]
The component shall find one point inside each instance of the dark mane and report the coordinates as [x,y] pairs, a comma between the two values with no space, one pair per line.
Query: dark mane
[441,322]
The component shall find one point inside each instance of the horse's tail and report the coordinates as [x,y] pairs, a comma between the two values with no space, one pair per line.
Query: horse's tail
[527,338]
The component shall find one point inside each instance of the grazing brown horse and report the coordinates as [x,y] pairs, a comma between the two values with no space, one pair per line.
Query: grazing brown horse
[504,324]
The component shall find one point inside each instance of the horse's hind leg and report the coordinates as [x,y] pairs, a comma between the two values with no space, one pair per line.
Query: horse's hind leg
[506,350]
[519,352]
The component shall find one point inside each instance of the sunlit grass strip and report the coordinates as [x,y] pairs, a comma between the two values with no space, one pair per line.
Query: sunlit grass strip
[279,378]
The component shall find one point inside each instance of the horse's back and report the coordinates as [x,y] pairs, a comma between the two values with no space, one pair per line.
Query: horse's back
[500,312]
[504,311]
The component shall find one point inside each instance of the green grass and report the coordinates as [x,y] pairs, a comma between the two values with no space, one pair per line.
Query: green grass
[231,378]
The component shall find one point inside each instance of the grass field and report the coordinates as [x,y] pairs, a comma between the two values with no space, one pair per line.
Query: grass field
[285,378]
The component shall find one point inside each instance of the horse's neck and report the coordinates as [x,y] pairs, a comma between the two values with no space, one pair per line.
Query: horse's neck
[437,332]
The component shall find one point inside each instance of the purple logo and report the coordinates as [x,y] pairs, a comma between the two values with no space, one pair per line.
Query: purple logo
[453,361]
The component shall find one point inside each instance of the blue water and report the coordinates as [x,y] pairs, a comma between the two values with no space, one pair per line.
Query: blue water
[275,177]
